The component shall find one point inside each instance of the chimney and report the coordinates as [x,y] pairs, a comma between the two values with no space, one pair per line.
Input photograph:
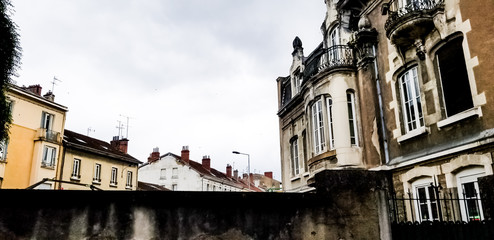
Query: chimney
[244,176]
[268,174]
[50,96]
[155,155]
[36,89]
[235,174]
[185,154]
[251,177]
[120,144]
[206,162]
[229,171]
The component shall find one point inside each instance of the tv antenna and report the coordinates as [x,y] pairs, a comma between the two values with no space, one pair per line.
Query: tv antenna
[53,83]
[127,117]
[120,127]
[89,129]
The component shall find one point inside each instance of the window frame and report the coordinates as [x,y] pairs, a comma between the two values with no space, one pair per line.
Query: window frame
[47,120]
[50,163]
[412,112]
[430,202]
[318,126]
[352,118]
[175,173]
[294,157]
[76,169]
[97,173]
[114,177]
[163,174]
[466,176]
[329,108]
[129,179]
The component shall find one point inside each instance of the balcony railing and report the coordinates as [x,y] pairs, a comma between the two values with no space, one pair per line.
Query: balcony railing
[399,11]
[48,135]
[335,57]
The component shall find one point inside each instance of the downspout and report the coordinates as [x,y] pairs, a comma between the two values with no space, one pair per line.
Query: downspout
[61,166]
[381,109]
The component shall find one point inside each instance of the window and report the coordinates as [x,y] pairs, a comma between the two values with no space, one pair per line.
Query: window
[3,150]
[207,187]
[129,180]
[294,157]
[97,173]
[352,118]
[47,120]
[163,173]
[318,127]
[304,151]
[175,173]
[457,95]
[76,169]
[114,174]
[468,191]
[49,154]
[425,200]
[410,100]
[334,41]
[174,187]
[329,103]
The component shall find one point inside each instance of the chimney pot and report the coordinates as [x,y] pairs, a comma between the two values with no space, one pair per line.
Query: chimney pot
[206,162]
[185,154]
[235,174]
[36,89]
[268,174]
[229,171]
[155,155]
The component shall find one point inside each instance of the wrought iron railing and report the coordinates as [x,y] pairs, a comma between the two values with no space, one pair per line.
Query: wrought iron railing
[400,9]
[336,56]
[48,135]
[439,206]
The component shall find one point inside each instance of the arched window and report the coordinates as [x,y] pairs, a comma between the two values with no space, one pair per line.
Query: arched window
[468,191]
[410,100]
[425,200]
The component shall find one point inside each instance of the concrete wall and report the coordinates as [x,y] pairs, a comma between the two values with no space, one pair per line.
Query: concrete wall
[348,206]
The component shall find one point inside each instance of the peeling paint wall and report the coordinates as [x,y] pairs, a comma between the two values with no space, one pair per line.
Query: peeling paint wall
[338,211]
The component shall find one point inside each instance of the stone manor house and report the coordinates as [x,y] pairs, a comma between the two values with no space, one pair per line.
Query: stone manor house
[401,86]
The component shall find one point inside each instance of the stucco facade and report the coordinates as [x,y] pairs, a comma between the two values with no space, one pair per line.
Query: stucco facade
[33,151]
[179,173]
[89,161]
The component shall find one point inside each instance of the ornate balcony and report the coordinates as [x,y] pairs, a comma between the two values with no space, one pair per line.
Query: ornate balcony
[410,20]
[339,56]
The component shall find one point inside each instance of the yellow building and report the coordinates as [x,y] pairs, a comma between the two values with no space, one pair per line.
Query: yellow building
[89,161]
[33,150]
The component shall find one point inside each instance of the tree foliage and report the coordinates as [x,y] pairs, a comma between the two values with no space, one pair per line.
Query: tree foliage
[10,54]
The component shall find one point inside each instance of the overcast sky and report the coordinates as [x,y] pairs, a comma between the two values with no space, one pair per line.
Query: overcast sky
[200,73]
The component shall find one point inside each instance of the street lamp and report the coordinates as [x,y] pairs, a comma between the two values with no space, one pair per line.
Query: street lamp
[248,166]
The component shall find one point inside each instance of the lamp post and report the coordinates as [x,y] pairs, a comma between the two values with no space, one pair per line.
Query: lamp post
[248,166]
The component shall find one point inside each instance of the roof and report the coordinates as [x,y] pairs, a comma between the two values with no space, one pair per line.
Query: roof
[144,186]
[84,143]
[213,174]
[28,94]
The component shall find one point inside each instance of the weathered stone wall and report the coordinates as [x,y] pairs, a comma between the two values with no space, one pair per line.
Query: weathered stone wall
[349,205]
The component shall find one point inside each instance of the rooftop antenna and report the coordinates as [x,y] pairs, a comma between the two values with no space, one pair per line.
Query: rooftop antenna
[89,129]
[120,127]
[53,83]
[127,133]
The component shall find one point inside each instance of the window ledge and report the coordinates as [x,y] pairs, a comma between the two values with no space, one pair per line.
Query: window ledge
[113,185]
[74,178]
[412,134]
[97,182]
[295,178]
[306,174]
[128,187]
[476,111]
[48,167]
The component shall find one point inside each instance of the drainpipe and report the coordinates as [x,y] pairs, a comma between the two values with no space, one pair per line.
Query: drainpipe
[381,109]
[61,164]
